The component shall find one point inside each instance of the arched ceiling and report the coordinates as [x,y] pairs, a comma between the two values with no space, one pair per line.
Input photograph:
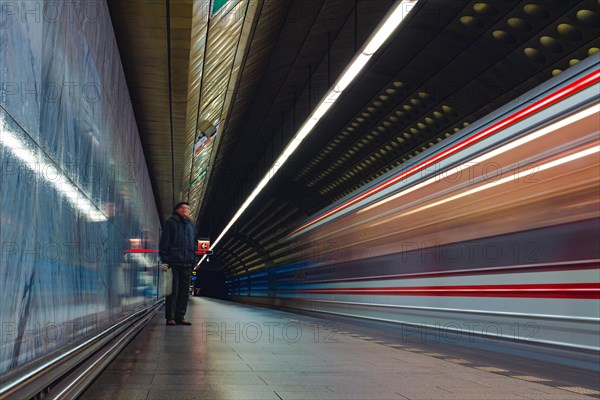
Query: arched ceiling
[449,64]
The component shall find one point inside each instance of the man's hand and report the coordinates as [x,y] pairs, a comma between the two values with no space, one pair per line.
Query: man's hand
[164,267]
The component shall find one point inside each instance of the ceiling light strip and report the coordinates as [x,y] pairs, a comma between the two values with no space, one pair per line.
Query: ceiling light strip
[376,40]
[574,87]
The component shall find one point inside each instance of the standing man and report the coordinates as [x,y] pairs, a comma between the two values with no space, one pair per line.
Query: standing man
[177,250]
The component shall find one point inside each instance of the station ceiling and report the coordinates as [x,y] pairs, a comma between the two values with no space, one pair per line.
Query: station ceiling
[449,64]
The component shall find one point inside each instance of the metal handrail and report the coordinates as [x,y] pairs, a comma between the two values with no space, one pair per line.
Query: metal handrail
[77,381]
[26,383]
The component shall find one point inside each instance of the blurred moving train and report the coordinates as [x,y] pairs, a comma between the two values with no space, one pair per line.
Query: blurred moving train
[495,232]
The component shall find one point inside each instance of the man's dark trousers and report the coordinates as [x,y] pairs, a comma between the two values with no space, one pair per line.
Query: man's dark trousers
[176,303]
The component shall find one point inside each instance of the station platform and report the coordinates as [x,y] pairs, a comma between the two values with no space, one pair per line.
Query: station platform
[237,351]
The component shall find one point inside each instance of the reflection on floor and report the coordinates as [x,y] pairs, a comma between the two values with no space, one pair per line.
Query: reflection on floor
[235,351]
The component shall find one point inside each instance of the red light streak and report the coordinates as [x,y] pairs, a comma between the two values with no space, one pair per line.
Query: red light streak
[569,90]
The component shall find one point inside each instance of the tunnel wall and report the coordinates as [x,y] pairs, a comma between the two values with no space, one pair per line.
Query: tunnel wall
[75,194]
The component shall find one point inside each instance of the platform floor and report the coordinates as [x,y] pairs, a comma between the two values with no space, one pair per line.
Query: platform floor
[235,351]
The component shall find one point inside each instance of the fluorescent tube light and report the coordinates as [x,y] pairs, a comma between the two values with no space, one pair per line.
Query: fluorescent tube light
[351,72]
[389,26]
[381,34]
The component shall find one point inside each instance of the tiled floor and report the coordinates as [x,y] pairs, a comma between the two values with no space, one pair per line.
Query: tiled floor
[235,351]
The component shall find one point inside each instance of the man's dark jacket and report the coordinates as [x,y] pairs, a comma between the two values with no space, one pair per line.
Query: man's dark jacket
[178,242]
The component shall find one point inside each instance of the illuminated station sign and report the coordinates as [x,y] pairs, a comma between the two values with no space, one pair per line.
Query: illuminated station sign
[204,247]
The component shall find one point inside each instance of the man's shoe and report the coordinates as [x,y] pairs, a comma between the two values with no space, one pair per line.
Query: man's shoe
[183,322]
[171,322]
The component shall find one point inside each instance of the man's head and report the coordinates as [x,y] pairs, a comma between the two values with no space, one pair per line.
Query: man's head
[182,209]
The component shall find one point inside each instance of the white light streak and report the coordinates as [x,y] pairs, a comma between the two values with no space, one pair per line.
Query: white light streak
[522,174]
[594,109]
[34,161]
[382,33]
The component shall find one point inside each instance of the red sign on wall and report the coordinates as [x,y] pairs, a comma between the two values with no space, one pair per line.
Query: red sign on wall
[203,246]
